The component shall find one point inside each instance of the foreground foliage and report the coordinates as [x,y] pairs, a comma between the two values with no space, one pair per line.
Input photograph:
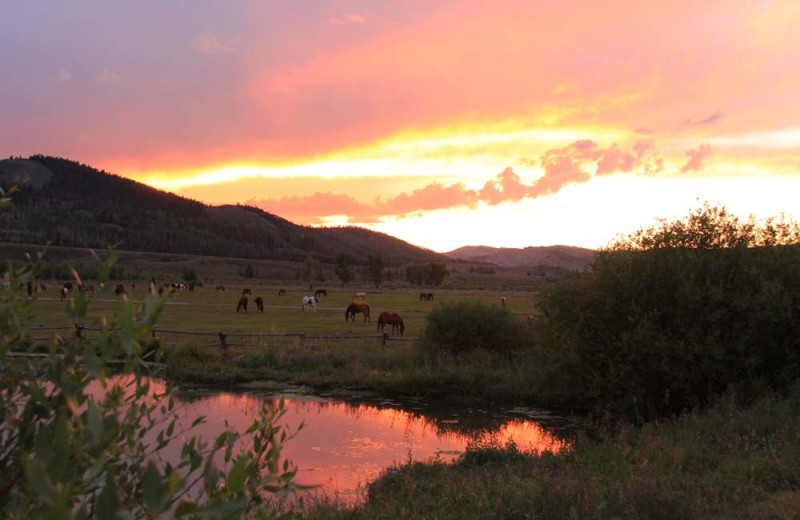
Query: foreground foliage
[78,440]
[730,462]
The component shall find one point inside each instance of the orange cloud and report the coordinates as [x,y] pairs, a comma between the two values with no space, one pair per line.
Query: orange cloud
[572,164]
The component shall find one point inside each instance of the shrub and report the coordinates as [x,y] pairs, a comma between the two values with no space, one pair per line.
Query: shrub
[661,324]
[462,327]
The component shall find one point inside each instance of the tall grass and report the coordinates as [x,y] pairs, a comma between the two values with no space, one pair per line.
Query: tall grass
[729,462]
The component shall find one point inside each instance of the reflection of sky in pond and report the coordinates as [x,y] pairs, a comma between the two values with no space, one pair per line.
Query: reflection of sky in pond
[344,445]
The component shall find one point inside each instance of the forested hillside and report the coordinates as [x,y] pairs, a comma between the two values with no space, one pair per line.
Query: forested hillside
[70,204]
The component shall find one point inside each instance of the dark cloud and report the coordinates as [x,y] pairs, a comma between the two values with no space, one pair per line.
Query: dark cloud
[710,119]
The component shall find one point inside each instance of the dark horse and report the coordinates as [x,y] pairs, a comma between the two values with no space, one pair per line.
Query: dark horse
[260,303]
[320,292]
[242,306]
[393,319]
[246,291]
[281,292]
[425,297]
[354,308]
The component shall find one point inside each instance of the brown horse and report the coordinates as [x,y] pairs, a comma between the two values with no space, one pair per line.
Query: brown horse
[393,319]
[120,290]
[260,303]
[221,288]
[281,292]
[242,306]
[320,292]
[354,308]
[246,291]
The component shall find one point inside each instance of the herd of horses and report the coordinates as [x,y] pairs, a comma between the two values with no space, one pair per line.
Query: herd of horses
[358,303]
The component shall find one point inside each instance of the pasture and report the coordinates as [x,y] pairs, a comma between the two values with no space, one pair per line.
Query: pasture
[209,310]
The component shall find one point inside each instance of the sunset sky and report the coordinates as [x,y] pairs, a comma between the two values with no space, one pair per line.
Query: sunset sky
[442,122]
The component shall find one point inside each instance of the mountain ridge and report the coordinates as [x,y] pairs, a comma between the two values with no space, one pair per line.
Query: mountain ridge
[67,203]
[572,258]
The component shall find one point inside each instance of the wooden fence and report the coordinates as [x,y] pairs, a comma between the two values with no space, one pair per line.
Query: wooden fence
[223,336]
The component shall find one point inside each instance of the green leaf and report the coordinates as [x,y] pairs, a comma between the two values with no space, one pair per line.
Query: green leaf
[108,505]
[153,488]
[36,475]
[238,474]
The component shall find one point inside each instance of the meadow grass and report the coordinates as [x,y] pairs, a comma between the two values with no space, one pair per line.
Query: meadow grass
[729,462]
[394,368]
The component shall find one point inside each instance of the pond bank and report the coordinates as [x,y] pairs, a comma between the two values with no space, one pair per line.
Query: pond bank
[728,462]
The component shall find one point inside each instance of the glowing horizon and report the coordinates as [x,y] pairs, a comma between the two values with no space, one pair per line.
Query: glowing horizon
[443,123]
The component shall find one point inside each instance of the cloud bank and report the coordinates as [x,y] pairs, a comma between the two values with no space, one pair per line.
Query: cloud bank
[575,163]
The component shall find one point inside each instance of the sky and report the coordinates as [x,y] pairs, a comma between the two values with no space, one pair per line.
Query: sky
[444,123]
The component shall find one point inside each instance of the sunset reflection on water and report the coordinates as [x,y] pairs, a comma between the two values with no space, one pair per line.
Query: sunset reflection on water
[342,445]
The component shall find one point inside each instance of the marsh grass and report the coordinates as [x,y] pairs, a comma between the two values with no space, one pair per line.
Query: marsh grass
[729,462]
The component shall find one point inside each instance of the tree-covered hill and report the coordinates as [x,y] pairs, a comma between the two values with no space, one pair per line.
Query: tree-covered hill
[67,203]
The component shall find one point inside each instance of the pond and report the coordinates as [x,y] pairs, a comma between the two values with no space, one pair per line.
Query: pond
[346,442]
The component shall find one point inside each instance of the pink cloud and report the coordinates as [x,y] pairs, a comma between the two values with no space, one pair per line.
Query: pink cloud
[697,158]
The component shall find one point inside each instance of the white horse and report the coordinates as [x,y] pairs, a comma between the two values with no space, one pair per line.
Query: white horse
[362,296]
[309,300]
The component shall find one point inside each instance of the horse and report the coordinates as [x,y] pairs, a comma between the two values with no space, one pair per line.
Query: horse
[260,303]
[320,292]
[221,288]
[423,296]
[361,296]
[503,301]
[120,290]
[64,292]
[429,297]
[393,319]
[242,305]
[530,321]
[354,308]
[281,292]
[309,300]
[246,291]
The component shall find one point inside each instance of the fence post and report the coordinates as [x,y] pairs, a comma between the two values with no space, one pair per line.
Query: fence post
[78,329]
[385,337]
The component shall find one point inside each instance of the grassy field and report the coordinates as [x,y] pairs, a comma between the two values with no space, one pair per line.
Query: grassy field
[322,363]
[206,309]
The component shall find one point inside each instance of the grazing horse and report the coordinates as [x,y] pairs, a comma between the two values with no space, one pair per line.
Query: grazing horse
[320,292]
[246,291]
[242,305]
[393,319]
[309,301]
[43,287]
[120,290]
[281,292]
[260,303]
[429,296]
[221,288]
[361,296]
[354,308]
[423,296]
[530,321]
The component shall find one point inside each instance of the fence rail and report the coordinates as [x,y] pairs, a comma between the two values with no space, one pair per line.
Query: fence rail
[223,336]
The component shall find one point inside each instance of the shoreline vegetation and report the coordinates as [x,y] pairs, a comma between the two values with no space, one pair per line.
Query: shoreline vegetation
[681,344]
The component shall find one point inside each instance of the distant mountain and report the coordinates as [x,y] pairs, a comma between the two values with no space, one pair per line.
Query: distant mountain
[564,257]
[70,204]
